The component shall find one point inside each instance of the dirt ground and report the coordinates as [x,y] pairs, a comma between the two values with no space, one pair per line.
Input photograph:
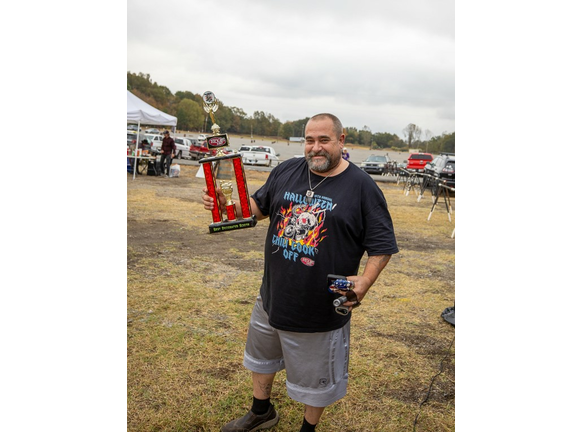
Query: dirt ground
[150,236]
[166,221]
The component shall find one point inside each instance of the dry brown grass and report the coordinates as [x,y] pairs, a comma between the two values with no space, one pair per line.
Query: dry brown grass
[190,295]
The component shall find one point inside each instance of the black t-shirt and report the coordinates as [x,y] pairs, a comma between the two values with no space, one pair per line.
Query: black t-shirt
[348,216]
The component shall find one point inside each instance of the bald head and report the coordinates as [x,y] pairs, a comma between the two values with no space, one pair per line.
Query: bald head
[338,129]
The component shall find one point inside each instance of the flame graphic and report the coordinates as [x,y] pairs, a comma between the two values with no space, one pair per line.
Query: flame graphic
[285,218]
[314,236]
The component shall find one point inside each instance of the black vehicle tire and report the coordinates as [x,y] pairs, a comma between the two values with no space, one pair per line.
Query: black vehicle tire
[179,155]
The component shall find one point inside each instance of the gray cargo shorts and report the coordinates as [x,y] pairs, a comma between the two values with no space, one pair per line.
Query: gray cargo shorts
[316,363]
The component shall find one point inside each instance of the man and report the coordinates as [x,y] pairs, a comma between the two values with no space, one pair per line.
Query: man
[168,149]
[324,214]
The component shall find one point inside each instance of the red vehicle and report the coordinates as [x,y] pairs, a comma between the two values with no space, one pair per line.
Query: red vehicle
[417,161]
[199,149]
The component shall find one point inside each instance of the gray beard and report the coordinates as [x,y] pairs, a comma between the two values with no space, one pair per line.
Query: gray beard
[324,167]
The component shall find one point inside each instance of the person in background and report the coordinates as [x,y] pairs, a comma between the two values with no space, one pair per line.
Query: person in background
[168,150]
[345,154]
[145,145]
[315,229]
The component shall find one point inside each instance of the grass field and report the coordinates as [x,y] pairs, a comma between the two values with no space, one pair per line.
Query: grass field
[190,295]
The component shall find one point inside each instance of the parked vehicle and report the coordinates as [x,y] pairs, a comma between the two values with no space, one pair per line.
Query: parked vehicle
[226,150]
[260,155]
[156,142]
[182,147]
[132,127]
[153,131]
[376,164]
[199,149]
[133,137]
[417,161]
[443,167]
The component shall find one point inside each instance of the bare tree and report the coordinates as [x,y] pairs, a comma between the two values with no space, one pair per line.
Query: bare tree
[427,137]
[411,133]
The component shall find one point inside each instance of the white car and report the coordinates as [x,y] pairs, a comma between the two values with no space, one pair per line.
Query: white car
[182,145]
[156,141]
[260,155]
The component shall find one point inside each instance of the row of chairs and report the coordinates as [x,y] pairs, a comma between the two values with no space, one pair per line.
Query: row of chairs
[419,183]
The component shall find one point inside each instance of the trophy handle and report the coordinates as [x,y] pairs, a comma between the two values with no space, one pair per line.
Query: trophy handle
[216,213]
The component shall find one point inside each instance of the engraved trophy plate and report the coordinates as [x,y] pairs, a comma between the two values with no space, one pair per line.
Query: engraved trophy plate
[225,171]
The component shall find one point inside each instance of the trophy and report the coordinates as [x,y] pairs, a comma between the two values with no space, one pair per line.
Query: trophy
[225,171]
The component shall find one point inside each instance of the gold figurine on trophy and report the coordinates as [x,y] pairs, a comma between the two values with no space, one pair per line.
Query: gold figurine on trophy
[226,187]
[210,106]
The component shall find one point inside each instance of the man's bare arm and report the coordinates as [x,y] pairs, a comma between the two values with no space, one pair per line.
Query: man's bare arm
[374,267]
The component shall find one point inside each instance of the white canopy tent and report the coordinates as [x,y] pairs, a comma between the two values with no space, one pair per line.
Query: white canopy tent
[140,112]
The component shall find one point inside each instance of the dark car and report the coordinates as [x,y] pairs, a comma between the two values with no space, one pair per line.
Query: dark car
[375,164]
[417,161]
[443,168]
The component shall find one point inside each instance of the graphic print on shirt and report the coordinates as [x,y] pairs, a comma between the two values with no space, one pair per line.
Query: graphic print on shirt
[300,228]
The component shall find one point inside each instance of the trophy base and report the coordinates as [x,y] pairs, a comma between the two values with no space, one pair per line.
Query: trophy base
[232,225]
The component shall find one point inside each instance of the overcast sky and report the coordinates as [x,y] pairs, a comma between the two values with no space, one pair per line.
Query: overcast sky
[377,64]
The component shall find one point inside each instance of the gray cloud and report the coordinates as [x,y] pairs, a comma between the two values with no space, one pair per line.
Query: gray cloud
[380,63]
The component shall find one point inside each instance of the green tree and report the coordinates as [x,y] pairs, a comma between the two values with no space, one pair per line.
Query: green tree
[158,96]
[351,135]
[286,130]
[273,126]
[442,143]
[365,137]
[235,120]
[384,140]
[398,143]
[190,115]
[186,95]
[224,118]
[448,144]
[239,121]
[260,123]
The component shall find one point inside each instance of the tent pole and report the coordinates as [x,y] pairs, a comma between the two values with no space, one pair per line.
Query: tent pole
[136,147]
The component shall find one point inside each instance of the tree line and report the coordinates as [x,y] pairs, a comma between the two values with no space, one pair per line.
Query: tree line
[188,108]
